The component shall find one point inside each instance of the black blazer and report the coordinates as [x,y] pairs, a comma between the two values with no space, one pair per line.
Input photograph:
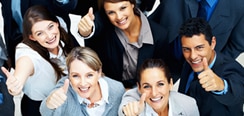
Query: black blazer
[110,50]
[210,104]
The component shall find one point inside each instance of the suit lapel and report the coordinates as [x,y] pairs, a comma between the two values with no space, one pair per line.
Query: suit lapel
[221,11]
[193,7]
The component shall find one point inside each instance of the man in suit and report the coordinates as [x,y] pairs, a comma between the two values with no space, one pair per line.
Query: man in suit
[12,30]
[215,80]
[226,20]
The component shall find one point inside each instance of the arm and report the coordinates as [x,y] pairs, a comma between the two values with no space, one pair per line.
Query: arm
[23,69]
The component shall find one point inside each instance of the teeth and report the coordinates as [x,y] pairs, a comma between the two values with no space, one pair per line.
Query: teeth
[195,62]
[84,89]
[122,22]
[156,99]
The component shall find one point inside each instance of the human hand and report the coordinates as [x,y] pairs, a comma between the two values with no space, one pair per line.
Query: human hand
[86,23]
[58,97]
[13,84]
[209,80]
[134,108]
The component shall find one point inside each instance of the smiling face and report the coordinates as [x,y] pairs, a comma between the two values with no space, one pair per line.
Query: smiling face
[84,80]
[195,48]
[157,88]
[46,33]
[120,14]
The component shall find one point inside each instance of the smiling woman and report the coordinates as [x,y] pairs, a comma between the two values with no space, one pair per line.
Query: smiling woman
[34,64]
[153,95]
[123,38]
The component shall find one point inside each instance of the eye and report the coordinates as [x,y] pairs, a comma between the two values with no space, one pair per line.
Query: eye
[39,33]
[123,8]
[89,75]
[110,12]
[160,84]
[199,48]
[75,76]
[146,86]
[186,49]
[50,26]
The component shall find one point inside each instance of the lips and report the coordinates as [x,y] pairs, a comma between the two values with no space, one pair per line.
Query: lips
[122,22]
[52,40]
[83,89]
[156,99]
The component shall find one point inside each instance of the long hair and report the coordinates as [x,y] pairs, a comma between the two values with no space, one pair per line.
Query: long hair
[36,14]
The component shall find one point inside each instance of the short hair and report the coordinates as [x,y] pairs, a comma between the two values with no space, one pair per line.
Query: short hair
[154,63]
[86,55]
[196,26]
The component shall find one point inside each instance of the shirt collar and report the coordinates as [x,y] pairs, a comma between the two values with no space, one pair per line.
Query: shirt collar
[60,52]
[212,63]
[104,85]
[211,3]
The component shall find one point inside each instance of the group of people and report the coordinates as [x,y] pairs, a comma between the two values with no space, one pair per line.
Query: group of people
[127,66]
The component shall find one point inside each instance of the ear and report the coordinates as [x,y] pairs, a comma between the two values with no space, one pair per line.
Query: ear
[171,84]
[32,38]
[100,73]
[213,42]
[138,87]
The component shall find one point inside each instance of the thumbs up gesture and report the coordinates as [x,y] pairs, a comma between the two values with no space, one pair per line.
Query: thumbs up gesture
[58,97]
[13,84]
[209,80]
[134,108]
[86,23]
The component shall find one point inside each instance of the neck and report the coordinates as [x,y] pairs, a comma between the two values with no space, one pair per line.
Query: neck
[133,31]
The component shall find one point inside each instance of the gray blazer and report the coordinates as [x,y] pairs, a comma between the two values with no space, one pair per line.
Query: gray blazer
[181,104]
[72,107]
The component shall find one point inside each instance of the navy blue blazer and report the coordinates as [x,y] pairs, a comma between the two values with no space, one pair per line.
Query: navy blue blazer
[227,22]
[210,104]
[110,50]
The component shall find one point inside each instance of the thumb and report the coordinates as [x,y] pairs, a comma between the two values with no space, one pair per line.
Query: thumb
[205,64]
[6,72]
[142,100]
[90,13]
[66,86]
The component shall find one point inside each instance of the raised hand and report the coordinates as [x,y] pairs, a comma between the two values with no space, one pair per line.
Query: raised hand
[86,23]
[13,84]
[135,108]
[209,80]
[58,97]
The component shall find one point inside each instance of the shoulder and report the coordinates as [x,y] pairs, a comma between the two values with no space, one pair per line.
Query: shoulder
[113,84]
[180,98]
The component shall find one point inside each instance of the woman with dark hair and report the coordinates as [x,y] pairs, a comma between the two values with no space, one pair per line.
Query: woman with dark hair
[153,95]
[40,59]
[123,38]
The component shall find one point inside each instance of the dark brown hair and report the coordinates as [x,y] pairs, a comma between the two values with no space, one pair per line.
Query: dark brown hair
[39,13]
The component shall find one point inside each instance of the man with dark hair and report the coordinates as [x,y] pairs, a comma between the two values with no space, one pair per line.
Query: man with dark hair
[215,80]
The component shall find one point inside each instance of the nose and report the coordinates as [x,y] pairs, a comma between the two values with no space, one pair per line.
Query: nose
[118,15]
[82,81]
[49,34]
[154,91]
[193,54]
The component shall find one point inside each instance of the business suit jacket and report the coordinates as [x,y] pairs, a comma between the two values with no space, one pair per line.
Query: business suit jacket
[181,104]
[210,104]
[227,22]
[11,33]
[110,50]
